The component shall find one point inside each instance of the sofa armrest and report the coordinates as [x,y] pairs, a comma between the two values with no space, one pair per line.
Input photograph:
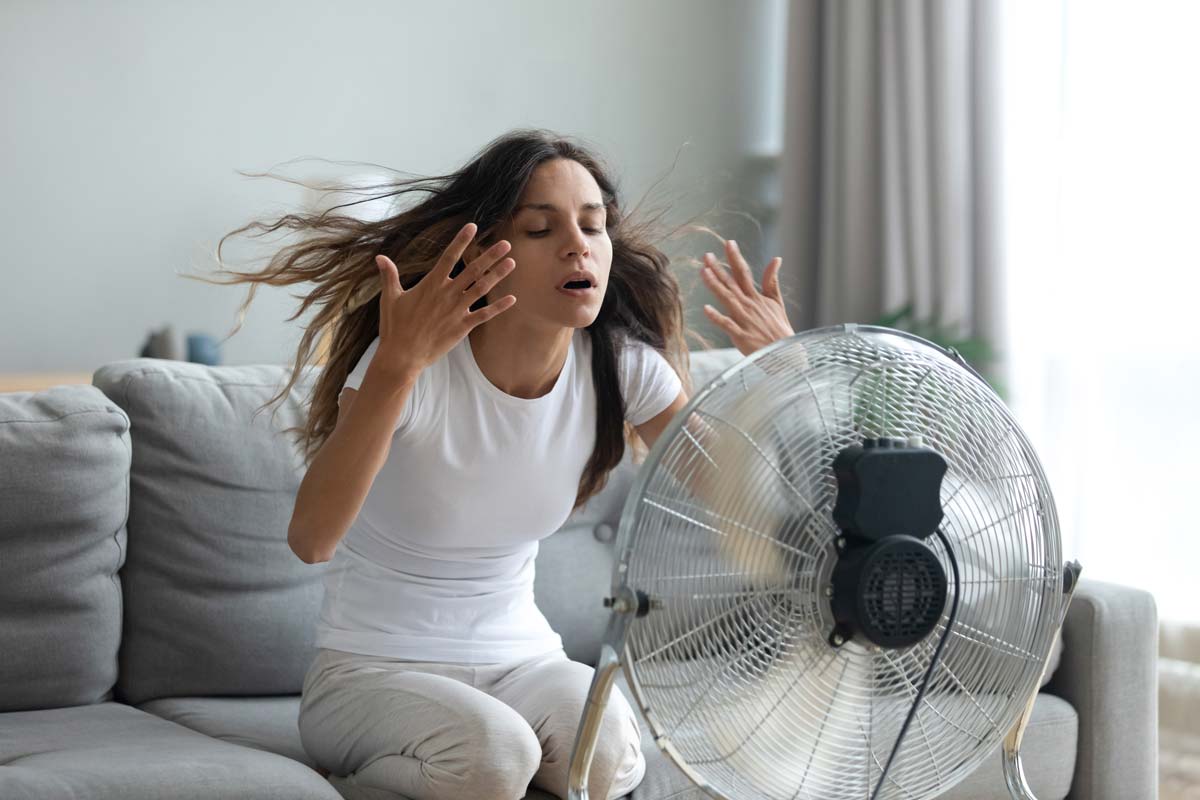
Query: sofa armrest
[1109,673]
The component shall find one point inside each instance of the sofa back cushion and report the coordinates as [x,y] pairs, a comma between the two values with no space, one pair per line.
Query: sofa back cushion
[64,493]
[575,565]
[215,601]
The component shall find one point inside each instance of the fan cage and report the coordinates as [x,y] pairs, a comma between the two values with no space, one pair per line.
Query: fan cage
[729,528]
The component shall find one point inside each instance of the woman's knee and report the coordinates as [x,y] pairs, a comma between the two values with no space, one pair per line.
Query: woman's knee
[422,736]
[619,761]
[618,765]
[504,755]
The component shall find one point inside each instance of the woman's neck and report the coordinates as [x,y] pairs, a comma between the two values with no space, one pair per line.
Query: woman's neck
[519,359]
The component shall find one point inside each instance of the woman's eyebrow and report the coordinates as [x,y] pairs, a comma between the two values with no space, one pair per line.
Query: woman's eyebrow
[552,207]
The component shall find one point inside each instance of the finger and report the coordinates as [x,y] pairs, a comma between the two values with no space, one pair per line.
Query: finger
[454,250]
[389,276]
[483,262]
[477,318]
[771,279]
[725,322]
[486,281]
[722,274]
[720,284]
[741,270]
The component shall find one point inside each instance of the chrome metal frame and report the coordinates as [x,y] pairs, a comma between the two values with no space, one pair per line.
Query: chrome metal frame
[1014,772]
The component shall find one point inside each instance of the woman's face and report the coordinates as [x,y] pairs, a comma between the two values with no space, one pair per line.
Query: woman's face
[556,233]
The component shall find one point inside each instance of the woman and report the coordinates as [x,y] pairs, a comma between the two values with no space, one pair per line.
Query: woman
[489,346]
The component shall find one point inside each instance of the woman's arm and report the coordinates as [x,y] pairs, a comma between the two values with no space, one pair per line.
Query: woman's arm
[341,474]
[698,481]
[749,549]
[651,429]
[417,326]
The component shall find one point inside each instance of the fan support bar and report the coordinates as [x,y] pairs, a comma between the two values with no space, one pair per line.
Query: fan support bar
[1014,773]
[625,606]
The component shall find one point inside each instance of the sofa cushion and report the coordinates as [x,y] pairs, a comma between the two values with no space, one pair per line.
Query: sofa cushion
[64,493]
[574,575]
[110,751]
[264,723]
[270,724]
[215,601]
[1047,754]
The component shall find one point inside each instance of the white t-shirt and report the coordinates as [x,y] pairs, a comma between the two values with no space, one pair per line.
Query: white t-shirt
[439,563]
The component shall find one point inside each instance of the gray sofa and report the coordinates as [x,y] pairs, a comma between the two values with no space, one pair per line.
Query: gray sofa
[155,628]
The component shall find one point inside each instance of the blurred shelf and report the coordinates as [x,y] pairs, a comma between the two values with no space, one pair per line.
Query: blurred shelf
[36,381]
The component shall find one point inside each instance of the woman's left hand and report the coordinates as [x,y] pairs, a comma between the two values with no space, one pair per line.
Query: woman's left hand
[756,319]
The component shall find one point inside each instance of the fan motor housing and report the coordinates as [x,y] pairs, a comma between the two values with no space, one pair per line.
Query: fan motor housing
[892,592]
[888,584]
[886,487]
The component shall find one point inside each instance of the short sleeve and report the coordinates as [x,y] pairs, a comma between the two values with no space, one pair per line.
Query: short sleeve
[648,382]
[355,378]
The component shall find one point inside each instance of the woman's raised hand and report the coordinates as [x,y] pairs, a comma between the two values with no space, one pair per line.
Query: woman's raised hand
[419,325]
[755,319]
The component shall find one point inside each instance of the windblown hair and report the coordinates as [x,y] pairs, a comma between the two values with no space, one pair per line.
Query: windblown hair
[336,254]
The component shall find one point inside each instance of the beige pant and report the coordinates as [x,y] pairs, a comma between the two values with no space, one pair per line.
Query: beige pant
[433,731]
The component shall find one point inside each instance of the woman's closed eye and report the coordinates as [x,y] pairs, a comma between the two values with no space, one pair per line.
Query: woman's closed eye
[593,231]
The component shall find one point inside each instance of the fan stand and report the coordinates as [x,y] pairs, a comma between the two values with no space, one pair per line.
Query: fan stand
[625,606]
[1014,773]
[628,604]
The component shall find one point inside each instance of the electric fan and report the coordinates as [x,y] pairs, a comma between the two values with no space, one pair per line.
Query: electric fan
[838,575]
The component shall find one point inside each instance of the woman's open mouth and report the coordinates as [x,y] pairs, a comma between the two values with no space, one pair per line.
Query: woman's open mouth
[581,286]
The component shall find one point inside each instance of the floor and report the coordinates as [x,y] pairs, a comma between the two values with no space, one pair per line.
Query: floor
[1179,712]
[1178,767]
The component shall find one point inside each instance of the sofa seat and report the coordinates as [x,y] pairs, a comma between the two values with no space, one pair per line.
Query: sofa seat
[111,751]
[1047,753]
[269,724]
[263,723]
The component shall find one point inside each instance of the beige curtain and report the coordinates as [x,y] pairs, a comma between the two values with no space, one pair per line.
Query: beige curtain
[890,174]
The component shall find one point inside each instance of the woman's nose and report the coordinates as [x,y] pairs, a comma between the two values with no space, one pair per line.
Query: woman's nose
[577,245]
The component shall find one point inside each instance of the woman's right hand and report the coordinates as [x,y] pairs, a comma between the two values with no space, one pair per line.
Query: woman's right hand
[419,325]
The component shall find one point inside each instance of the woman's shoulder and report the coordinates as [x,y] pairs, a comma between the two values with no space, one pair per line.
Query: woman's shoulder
[430,374]
[630,348]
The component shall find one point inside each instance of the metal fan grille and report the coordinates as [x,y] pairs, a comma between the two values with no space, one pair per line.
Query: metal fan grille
[729,529]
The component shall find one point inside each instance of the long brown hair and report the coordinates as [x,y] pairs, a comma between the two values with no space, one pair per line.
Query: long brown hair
[337,253]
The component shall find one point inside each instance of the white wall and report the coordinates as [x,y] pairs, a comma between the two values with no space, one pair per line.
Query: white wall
[123,125]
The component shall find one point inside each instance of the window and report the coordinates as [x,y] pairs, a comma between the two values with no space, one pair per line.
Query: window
[1102,174]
